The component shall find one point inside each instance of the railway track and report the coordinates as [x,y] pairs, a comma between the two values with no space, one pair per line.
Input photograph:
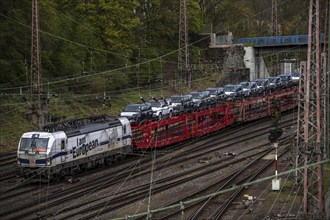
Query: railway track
[7,158]
[172,157]
[7,166]
[237,177]
[138,193]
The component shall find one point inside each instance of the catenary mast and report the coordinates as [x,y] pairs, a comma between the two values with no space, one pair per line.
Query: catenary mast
[310,137]
[36,111]
[183,53]
[274,34]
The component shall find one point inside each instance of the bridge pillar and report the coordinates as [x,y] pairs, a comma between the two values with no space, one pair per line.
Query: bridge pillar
[254,61]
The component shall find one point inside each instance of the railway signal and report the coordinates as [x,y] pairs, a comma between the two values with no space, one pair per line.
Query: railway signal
[276,183]
[275,134]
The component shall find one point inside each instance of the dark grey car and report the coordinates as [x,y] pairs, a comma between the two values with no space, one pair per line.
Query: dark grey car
[275,83]
[217,93]
[181,103]
[249,89]
[202,99]
[233,92]
[286,80]
[263,85]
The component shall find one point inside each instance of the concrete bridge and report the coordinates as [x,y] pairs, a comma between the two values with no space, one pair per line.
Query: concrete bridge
[275,41]
[255,46]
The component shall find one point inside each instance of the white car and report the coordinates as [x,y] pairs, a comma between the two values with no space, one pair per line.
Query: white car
[160,108]
[295,78]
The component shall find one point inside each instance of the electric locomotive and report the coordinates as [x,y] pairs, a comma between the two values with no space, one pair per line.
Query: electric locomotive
[65,148]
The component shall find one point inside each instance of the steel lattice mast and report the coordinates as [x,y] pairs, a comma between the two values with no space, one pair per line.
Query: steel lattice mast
[274,34]
[37,112]
[274,18]
[311,112]
[183,53]
[300,123]
[35,59]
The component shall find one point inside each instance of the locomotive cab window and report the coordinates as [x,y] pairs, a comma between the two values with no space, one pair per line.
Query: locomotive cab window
[124,129]
[39,144]
[62,144]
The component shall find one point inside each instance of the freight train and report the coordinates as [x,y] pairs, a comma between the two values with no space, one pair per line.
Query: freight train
[63,149]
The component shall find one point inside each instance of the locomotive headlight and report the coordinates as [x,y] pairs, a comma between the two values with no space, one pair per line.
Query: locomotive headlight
[48,162]
[18,162]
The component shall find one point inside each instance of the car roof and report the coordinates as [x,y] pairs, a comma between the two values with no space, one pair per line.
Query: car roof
[195,92]
[214,88]
[152,100]
[137,104]
[180,96]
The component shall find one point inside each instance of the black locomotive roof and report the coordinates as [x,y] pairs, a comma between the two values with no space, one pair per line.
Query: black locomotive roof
[84,125]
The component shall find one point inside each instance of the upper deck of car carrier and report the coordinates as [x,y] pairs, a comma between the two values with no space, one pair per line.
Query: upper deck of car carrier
[155,134]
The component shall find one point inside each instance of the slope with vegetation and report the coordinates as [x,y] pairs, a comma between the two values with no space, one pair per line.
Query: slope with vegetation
[91,49]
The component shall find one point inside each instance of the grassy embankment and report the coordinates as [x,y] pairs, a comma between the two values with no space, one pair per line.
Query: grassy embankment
[13,120]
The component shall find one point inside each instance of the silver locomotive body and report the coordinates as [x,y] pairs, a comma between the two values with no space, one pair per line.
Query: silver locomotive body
[58,153]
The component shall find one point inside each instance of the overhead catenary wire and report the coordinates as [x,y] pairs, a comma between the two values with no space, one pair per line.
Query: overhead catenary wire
[108,91]
[117,190]
[124,55]
[277,196]
[187,144]
[133,65]
[259,196]
[223,191]
[106,182]
[293,202]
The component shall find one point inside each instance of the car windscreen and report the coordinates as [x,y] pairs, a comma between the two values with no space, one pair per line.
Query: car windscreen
[284,78]
[154,104]
[176,99]
[259,83]
[213,91]
[245,86]
[295,74]
[272,79]
[196,95]
[132,108]
[38,144]
[229,89]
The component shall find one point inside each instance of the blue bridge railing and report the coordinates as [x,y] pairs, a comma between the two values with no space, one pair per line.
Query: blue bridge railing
[275,41]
